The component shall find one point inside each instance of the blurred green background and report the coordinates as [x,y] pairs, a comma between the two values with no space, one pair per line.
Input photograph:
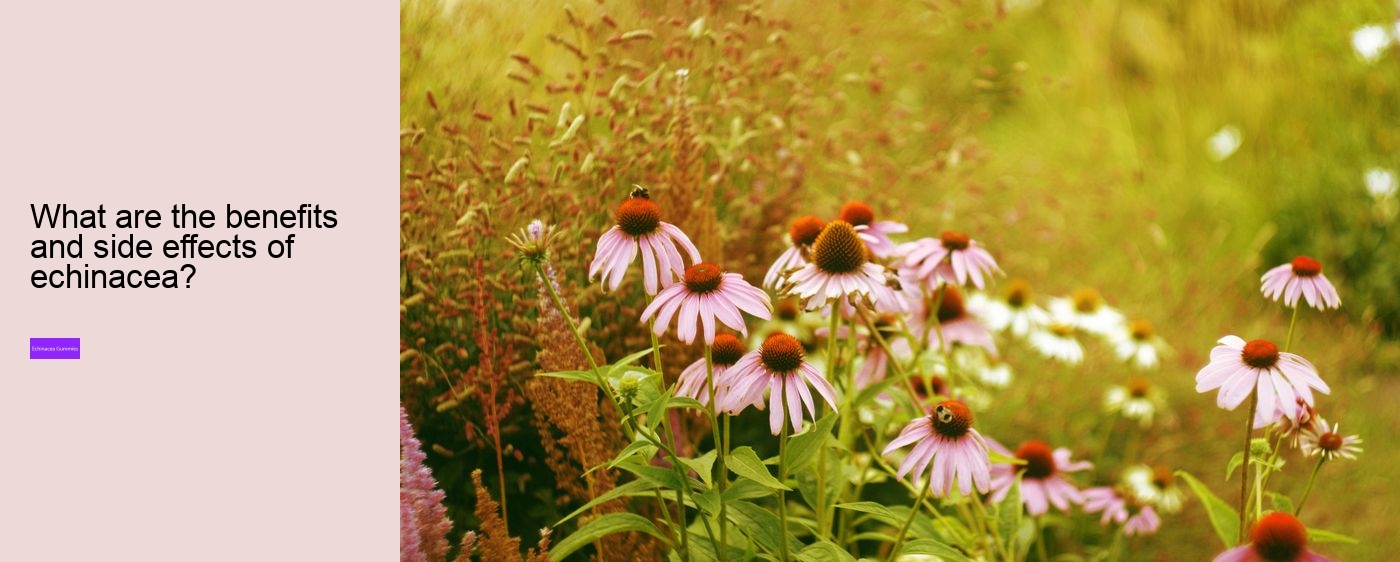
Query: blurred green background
[1166,153]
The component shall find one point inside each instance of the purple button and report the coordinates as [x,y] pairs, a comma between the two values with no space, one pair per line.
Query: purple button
[55,348]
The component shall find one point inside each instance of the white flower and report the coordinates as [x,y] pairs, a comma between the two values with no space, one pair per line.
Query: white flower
[1380,183]
[1369,41]
[1223,143]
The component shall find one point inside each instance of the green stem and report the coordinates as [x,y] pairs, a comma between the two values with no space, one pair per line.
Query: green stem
[823,526]
[578,338]
[1288,344]
[782,478]
[1244,474]
[1297,511]
[903,530]
[722,450]
[1040,539]
[1115,550]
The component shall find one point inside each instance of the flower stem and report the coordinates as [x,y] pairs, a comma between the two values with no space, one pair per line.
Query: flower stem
[1288,344]
[1244,474]
[1297,511]
[721,448]
[578,338]
[1040,539]
[913,510]
[782,478]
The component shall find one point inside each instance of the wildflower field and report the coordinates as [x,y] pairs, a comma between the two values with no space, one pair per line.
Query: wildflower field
[938,280]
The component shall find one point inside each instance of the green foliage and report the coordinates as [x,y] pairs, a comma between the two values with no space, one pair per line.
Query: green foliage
[1223,518]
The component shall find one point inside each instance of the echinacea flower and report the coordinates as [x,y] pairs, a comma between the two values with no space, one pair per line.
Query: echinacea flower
[724,353]
[801,235]
[1327,441]
[956,325]
[1137,344]
[1056,341]
[1086,310]
[875,234]
[706,295]
[1119,509]
[639,228]
[953,257]
[1238,368]
[1276,537]
[1300,277]
[1015,311]
[777,366]
[1289,428]
[1155,486]
[948,447]
[1042,483]
[876,362]
[1138,400]
[840,269]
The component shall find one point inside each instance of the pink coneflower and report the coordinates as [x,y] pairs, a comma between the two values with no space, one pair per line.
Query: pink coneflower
[724,353]
[1237,368]
[1041,482]
[1327,440]
[954,258]
[1288,427]
[1276,537]
[801,235]
[1302,276]
[875,234]
[706,295]
[876,363]
[947,442]
[840,269]
[778,366]
[639,227]
[1116,509]
[958,326]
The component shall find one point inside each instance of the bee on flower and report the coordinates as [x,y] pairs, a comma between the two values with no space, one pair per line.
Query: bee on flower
[639,229]
[947,447]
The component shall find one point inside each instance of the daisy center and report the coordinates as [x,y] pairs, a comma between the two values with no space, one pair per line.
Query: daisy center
[951,306]
[1278,537]
[1330,442]
[1141,330]
[703,277]
[954,240]
[1304,266]
[1062,330]
[1138,387]
[804,231]
[1040,460]
[1162,478]
[1260,354]
[951,419]
[781,353]
[837,249]
[1018,293]
[1086,300]
[638,216]
[726,350]
[857,213]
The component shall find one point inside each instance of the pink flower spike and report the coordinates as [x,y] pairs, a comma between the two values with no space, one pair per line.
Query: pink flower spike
[639,229]
[779,367]
[948,448]
[1281,379]
[1300,277]
[706,295]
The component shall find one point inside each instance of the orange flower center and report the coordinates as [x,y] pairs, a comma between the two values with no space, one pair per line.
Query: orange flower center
[1086,300]
[1141,330]
[726,350]
[804,231]
[1018,293]
[1330,442]
[857,213]
[1139,386]
[703,277]
[1260,354]
[951,419]
[1278,537]
[837,249]
[1040,460]
[1304,266]
[781,353]
[954,240]
[1162,477]
[638,216]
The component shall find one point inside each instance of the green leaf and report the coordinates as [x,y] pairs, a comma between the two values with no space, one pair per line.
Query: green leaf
[879,511]
[601,527]
[1280,502]
[999,458]
[930,547]
[685,402]
[745,490]
[645,448]
[630,488]
[824,551]
[584,376]
[1223,517]
[870,392]
[707,501]
[704,465]
[1009,515]
[656,408]
[802,449]
[759,523]
[1234,465]
[663,477]
[620,364]
[744,462]
[1321,536]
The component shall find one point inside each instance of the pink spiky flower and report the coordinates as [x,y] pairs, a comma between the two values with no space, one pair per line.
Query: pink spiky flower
[948,447]
[778,366]
[1300,277]
[725,352]
[1042,481]
[1276,537]
[423,522]
[639,229]
[801,235]
[875,234]
[953,257]
[839,270]
[1237,367]
[706,295]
